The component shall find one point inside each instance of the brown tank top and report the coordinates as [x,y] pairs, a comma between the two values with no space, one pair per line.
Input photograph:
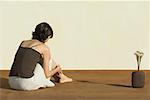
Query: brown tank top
[25,62]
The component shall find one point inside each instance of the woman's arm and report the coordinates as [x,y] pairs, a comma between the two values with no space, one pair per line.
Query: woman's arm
[46,59]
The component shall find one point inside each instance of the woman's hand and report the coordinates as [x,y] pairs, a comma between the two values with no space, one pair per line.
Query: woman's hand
[58,68]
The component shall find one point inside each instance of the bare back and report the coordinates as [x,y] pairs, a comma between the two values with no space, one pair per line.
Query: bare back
[34,44]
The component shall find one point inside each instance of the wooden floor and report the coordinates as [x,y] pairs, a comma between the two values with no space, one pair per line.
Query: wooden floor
[88,85]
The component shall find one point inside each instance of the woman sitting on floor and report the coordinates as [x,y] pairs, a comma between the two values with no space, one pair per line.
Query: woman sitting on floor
[33,66]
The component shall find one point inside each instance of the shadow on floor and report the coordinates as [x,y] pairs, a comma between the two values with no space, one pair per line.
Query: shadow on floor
[4,83]
[120,85]
[116,85]
[85,81]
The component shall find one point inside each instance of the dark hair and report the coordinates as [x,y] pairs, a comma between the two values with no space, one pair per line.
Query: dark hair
[42,32]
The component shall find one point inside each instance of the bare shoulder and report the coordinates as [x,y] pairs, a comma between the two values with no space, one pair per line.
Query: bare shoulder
[25,42]
[45,48]
[45,51]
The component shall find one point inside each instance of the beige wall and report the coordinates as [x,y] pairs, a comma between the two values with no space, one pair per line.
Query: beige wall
[88,35]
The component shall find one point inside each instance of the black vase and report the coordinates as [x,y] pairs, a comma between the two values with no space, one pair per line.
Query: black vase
[138,79]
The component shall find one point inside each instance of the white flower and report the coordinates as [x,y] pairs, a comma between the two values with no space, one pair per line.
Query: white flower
[139,55]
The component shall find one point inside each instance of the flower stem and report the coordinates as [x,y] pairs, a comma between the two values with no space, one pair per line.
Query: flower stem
[138,67]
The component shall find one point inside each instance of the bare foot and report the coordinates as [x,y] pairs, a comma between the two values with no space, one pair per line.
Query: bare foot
[66,79]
